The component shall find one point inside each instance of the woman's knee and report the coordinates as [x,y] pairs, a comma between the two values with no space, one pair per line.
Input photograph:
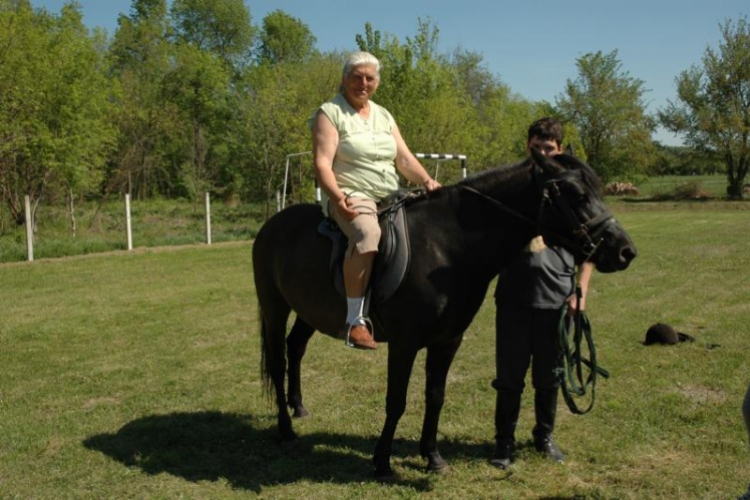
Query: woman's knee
[368,233]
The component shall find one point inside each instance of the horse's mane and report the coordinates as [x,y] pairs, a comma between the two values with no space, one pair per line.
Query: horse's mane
[495,173]
[572,165]
[588,175]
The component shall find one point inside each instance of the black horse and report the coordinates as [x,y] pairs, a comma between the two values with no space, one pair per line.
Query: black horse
[461,236]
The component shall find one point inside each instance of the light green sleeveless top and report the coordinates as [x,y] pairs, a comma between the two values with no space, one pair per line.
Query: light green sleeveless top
[364,165]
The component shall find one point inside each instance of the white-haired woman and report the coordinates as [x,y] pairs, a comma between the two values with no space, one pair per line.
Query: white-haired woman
[357,149]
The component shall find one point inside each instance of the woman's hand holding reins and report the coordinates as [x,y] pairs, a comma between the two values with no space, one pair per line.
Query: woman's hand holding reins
[431,185]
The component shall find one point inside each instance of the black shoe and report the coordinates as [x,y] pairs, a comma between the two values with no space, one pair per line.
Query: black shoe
[503,455]
[548,447]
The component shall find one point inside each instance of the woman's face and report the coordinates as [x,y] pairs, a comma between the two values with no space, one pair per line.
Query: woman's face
[359,85]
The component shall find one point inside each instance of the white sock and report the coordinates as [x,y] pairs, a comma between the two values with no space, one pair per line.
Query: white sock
[354,307]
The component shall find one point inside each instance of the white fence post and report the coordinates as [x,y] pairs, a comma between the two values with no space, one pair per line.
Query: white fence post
[29,229]
[208,218]
[128,226]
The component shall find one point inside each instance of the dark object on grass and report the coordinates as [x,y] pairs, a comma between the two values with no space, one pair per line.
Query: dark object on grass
[661,333]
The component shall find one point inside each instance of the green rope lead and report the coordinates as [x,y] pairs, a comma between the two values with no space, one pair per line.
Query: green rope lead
[573,362]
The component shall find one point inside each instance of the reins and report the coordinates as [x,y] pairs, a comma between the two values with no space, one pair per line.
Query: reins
[500,205]
[573,382]
[583,232]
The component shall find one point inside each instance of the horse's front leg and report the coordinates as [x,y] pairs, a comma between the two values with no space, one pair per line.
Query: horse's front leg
[400,364]
[439,359]
[296,344]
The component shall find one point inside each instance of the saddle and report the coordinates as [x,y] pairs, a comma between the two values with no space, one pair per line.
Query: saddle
[392,261]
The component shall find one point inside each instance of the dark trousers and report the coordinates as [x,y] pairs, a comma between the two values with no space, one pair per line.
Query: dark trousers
[526,336]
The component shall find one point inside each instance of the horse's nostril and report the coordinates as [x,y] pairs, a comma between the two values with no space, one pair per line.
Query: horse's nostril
[627,254]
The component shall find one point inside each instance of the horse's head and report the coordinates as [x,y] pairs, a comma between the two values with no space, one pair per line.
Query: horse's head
[574,216]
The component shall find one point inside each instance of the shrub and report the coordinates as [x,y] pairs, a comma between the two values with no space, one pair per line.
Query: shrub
[690,190]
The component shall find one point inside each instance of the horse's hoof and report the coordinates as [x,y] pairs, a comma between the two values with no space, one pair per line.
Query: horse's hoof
[385,476]
[435,463]
[300,412]
[439,469]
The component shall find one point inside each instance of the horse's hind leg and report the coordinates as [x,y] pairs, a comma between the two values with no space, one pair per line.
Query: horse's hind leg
[296,344]
[273,324]
[439,359]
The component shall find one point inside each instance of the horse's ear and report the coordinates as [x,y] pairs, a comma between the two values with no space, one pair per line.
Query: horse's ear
[569,150]
[547,164]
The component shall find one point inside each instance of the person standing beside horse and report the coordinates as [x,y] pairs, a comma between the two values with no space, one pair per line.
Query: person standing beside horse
[529,296]
[357,151]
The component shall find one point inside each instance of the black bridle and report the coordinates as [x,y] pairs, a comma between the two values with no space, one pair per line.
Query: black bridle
[586,236]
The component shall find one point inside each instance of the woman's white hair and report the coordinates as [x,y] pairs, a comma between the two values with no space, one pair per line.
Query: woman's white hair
[358,59]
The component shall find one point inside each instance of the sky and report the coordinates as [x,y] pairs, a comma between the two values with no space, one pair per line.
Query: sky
[531,46]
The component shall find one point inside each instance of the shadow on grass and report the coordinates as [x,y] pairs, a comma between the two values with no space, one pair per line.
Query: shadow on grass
[212,446]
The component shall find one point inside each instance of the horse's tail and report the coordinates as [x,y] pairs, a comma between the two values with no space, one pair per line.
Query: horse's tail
[265,355]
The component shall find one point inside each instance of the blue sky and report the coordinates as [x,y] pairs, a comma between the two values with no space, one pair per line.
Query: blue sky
[531,46]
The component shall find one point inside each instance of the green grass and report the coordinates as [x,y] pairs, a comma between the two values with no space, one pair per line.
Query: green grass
[136,375]
[713,185]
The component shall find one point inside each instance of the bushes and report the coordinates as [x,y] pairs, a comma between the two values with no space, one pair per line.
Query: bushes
[690,190]
[621,189]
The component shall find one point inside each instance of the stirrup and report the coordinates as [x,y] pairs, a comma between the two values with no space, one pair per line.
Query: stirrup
[367,323]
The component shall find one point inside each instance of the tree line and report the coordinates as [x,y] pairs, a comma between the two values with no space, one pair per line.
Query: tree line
[197,97]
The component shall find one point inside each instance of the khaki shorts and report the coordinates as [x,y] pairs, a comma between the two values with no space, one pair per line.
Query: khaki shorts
[363,231]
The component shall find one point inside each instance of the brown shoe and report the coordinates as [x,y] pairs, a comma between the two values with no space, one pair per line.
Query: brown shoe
[360,338]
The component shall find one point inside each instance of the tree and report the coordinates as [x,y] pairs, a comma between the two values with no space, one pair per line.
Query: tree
[284,38]
[496,132]
[54,127]
[222,27]
[141,56]
[713,106]
[606,106]
[78,108]
[272,109]
[196,91]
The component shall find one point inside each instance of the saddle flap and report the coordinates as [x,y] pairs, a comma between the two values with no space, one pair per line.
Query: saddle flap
[392,262]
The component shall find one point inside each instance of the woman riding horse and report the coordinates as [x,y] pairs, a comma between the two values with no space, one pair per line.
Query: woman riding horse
[466,233]
[357,148]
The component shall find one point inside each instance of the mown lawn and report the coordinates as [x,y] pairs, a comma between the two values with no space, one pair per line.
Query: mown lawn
[136,375]
[664,186]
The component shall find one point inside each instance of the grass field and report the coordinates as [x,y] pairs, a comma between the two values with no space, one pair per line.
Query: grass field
[136,375]
[664,186]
